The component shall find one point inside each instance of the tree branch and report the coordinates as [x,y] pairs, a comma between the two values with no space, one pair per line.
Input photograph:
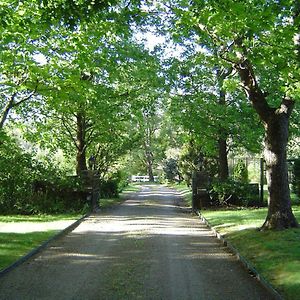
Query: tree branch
[254,93]
[64,122]
[16,104]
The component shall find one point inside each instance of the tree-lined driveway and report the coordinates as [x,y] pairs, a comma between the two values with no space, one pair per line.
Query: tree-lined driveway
[146,248]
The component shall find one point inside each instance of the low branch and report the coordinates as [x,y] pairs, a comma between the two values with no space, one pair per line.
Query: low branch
[16,104]
[64,122]
[254,93]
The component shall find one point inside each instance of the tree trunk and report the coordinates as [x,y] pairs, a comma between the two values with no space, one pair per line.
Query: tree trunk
[150,173]
[80,144]
[280,215]
[223,172]
[276,123]
[149,159]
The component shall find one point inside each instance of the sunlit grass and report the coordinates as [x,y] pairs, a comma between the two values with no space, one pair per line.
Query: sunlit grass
[15,245]
[275,254]
[132,187]
[38,218]
[110,202]
[184,190]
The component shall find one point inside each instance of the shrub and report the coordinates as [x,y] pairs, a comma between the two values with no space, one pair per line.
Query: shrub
[296,177]
[109,188]
[240,172]
[233,192]
[171,169]
[28,186]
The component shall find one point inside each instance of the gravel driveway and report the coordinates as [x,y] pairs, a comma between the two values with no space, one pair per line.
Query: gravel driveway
[146,248]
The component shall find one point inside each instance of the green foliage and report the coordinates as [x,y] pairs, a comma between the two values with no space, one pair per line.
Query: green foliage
[171,169]
[233,192]
[15,176]
[28,186]
[113,184]
[240,172]
[296,177]
[193,158]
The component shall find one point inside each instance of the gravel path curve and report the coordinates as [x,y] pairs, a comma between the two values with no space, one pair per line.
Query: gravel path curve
[146,248]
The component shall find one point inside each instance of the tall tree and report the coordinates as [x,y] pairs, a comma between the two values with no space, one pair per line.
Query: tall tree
[207,105]
[99,80]
[260,41]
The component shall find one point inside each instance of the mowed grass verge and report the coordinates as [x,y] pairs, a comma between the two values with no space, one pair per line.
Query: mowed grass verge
[15,245]
[274,254]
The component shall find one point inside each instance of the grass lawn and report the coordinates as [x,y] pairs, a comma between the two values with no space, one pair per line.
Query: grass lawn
[110,202]
[15,245]
[39,218]
[275,254]
[184,191]
[132,187]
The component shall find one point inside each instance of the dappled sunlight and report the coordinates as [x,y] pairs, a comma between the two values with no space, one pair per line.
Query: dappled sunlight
[161,225]
[228,228]
[156,194]
[145,246]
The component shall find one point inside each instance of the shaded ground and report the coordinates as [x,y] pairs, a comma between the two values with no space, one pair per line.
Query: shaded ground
[146,248]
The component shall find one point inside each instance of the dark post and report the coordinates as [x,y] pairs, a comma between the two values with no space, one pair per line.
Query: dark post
[195,198]
[200,181]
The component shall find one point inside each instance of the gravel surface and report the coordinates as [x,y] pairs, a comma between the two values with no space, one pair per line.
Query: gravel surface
[146,248]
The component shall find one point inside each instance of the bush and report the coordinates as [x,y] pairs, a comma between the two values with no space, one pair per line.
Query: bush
[233,192]
[62,194]
[296,177]
[28,186]
[109,188]
[15,176]
[240,172]
[171,169]
[113,184]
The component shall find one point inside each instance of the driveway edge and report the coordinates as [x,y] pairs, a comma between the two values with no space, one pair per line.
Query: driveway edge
[42,246]
[244,262]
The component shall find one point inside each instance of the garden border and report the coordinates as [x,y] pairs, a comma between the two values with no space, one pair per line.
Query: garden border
[38,249]
[243,261]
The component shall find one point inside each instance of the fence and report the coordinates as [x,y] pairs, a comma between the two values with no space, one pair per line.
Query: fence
[142,178]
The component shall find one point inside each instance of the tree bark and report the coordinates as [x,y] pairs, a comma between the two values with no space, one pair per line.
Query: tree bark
[276,123]
[223,172]
[81,164]
[149,159]
[280,215]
